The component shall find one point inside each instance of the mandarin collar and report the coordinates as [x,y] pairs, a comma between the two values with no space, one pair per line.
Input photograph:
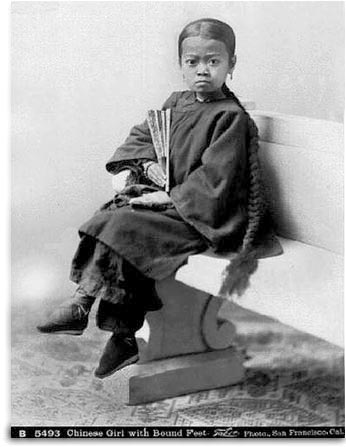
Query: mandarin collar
[191,97]
[212,96]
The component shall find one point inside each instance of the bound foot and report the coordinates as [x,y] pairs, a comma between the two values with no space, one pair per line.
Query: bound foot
[69,318]
[119,352]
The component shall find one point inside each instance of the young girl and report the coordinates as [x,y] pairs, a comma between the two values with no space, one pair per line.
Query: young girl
[145,234]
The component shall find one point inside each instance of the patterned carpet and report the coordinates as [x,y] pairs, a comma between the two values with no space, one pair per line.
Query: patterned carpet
[291,379]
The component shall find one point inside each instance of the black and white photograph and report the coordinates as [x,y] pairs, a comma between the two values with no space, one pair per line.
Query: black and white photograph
[177,219]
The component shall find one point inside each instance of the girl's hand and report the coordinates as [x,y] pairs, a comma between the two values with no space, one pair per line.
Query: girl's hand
[157,197]
[155,173]
[119,180]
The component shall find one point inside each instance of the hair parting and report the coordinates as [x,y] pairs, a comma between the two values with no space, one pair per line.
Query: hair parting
[209,29]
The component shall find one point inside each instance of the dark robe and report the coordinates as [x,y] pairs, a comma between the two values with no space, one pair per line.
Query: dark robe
[208,187]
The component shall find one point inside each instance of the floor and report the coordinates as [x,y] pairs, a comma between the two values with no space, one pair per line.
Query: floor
[291,379]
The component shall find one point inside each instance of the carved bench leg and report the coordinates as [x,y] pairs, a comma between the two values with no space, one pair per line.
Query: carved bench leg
[189,348]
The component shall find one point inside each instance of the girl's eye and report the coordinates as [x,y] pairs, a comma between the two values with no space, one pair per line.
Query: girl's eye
[214,61]
[190,62]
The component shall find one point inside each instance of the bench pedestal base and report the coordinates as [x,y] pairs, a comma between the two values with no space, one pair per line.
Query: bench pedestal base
[161,379]
[190,348]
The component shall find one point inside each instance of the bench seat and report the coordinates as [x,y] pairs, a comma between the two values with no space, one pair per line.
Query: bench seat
[302,161]
[301,288]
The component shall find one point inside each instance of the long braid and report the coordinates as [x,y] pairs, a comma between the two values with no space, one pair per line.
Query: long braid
[256,203]
[237,273]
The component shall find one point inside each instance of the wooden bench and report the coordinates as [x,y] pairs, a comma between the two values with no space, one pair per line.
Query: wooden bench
[189,348]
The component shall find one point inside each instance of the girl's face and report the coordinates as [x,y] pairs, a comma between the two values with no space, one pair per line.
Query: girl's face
[205,64]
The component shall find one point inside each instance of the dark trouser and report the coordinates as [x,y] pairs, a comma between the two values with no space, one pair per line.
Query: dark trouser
[125,293]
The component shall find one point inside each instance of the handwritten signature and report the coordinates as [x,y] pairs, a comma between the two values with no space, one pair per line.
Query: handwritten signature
[226,432]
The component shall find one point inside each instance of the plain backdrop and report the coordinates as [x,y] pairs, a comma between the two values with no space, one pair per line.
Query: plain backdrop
[82,73]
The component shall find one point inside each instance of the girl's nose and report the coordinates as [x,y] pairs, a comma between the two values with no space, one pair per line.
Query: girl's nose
[202,69]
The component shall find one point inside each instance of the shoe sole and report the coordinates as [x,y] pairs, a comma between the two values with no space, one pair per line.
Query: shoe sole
[67,331]
[127,362]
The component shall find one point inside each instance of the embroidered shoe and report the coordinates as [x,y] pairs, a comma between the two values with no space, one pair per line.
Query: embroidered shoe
[119,352]
[69,318]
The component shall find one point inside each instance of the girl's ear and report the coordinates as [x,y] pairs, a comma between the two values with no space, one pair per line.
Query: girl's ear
[232,63]
[232,66]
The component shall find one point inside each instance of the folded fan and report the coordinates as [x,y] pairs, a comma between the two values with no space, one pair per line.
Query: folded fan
[159,122]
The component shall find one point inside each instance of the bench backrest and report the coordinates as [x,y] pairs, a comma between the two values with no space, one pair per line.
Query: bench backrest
[302,160]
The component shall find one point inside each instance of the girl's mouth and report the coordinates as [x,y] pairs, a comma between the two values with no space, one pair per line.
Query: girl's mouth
[202,82]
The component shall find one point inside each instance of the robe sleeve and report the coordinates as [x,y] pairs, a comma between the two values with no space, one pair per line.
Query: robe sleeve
[138,146]
[213,197]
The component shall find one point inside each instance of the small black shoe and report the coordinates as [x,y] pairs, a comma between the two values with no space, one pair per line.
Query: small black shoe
[119,352]
[69,318]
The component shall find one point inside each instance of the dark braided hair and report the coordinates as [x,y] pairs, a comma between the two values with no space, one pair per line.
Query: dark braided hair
[209,29]
[237,273]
